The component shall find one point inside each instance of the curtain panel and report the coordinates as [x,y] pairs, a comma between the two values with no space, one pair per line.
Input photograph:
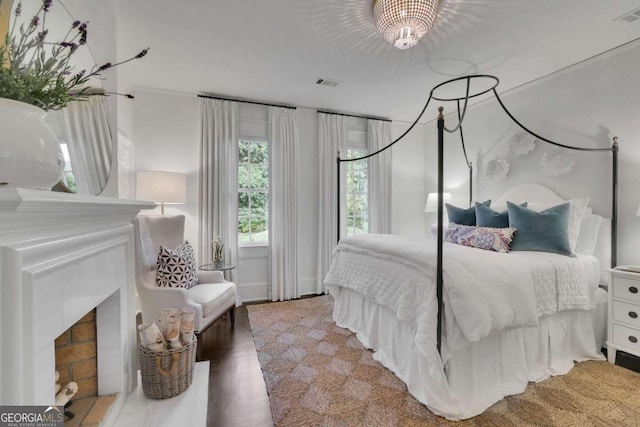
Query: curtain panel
[283,233]
[218,197]
[87,126]
[332,137]
[379,136]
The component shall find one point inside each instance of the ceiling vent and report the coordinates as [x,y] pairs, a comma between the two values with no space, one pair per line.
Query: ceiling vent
[325,82]
[629,17]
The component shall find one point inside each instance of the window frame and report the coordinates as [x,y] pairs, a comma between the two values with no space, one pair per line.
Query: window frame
[351,167]
[267,191]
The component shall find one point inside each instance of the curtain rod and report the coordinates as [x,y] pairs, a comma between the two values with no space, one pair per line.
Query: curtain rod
[382,119]
[246,102]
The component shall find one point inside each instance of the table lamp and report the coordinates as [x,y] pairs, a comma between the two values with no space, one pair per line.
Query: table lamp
[161,187]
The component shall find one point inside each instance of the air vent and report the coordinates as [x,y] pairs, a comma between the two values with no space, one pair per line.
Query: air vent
[629,17]
[325,82]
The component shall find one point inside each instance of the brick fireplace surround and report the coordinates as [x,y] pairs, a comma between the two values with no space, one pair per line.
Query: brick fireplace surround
[61,256]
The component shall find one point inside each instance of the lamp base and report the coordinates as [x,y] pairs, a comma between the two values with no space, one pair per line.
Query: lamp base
[434,229]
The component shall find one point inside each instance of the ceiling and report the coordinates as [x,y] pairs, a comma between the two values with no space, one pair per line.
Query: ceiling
[275,50]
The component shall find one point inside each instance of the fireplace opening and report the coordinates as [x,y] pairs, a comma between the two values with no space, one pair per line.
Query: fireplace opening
[76,362]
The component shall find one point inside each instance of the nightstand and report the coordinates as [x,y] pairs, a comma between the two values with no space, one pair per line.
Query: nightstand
[624,313]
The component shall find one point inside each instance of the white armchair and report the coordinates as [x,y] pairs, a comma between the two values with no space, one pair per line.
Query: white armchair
[212,297]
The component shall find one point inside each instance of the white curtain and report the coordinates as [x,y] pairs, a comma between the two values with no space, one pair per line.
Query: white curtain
[283,233]
[379,136]
[217,204]
[332,136]
[88,134]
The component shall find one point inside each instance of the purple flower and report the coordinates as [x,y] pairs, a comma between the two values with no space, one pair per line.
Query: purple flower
[35,21]
[128,95]
[72,47]
[18,10]
[83,27]
[46,4]
[80,75]
[104,66]
[75,24]
[142,53]
[42,35]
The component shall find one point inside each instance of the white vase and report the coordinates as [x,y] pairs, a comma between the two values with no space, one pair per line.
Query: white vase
[30,154]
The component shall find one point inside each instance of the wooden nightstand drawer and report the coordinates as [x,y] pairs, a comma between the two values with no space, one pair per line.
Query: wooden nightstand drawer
[626,288]
[626,313]
[626,337]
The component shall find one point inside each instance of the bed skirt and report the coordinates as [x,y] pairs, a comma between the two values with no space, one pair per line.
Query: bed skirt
[484,372]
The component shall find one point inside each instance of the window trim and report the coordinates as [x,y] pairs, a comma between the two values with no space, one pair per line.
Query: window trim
[252,244]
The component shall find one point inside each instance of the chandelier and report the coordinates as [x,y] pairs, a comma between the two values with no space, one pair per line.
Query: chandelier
[403,22]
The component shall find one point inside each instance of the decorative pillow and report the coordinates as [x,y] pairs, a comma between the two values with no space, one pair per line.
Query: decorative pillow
[451,235]
[176,268]
[544,231]
[488,238]
[589,231]
[577,211]
[487,217]
[463,216]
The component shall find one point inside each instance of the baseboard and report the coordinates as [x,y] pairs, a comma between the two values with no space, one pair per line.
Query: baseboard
[250,292]
[307,286]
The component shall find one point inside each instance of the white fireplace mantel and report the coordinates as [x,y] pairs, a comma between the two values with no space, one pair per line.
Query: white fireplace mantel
[61,255]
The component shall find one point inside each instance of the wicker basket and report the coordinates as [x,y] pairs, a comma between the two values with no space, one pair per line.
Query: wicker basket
[167,373]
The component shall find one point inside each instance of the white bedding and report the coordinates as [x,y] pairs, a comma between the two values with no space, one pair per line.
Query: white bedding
[485,292]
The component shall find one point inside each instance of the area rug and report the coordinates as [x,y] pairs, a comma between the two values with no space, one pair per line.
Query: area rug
[318,374]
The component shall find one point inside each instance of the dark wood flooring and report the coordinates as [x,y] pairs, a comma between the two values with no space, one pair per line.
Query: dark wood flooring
[237,392]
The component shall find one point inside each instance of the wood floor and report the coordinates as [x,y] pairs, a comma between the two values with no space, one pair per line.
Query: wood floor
[237,393]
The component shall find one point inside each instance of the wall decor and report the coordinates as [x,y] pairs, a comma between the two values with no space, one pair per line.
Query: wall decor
[557,162]
[522,143]
[497,169]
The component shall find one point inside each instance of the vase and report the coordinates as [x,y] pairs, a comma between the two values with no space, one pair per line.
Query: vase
[30,154]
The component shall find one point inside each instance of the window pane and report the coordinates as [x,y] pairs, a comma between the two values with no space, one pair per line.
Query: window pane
[243,151]
[259,153]
[259,200]
[259,176]
[243,224]
[243,176]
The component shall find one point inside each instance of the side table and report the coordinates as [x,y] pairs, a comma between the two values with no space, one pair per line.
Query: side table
[218,266]
[624,313]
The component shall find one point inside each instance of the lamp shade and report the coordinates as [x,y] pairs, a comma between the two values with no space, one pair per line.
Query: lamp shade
[403,22]
[432,201]
[638,212]
[161,187]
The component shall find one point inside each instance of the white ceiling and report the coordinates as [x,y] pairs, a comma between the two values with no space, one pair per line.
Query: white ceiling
[275,50]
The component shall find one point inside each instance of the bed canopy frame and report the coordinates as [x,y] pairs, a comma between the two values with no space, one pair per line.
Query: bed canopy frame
[493,83]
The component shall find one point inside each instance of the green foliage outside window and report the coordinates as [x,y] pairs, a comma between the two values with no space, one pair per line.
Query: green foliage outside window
[357,194]
[253,191]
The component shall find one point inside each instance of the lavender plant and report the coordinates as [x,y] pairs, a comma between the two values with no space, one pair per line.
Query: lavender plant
[40,72]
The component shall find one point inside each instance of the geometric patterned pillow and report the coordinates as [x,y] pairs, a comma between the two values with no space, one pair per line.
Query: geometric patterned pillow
[176,268]
[493,239]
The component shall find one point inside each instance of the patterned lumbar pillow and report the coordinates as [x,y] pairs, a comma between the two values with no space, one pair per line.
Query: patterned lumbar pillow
[492,239]
[176,267]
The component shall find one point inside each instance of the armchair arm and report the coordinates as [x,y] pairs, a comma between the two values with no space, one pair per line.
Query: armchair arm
[210,277]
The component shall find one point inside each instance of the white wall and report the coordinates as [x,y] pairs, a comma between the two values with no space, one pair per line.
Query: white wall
[586,106]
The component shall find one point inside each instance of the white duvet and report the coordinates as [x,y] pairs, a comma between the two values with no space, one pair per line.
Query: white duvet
[484,291]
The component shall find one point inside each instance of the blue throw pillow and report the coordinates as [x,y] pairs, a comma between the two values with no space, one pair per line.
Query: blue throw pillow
[463,216]
[487,217]
[545,231]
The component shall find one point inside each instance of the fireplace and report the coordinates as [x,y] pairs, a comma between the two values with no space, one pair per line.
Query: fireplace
[61,256]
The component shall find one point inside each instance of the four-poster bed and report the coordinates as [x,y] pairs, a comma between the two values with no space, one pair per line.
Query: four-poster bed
[366,309]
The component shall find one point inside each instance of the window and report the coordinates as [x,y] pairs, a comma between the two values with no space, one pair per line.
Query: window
[69,178]
[357,193]
[253,192]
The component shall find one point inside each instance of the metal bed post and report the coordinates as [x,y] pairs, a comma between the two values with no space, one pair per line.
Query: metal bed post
[440,231]
[338,201]
[614,204]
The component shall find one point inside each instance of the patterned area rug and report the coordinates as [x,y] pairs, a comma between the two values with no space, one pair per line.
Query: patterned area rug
[318,374]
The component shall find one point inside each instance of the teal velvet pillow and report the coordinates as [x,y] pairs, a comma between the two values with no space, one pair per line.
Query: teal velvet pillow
[463,216]
[544,231]
[487,217]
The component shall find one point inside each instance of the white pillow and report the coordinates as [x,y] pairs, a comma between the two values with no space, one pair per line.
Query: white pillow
[576,213]
[588,237]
